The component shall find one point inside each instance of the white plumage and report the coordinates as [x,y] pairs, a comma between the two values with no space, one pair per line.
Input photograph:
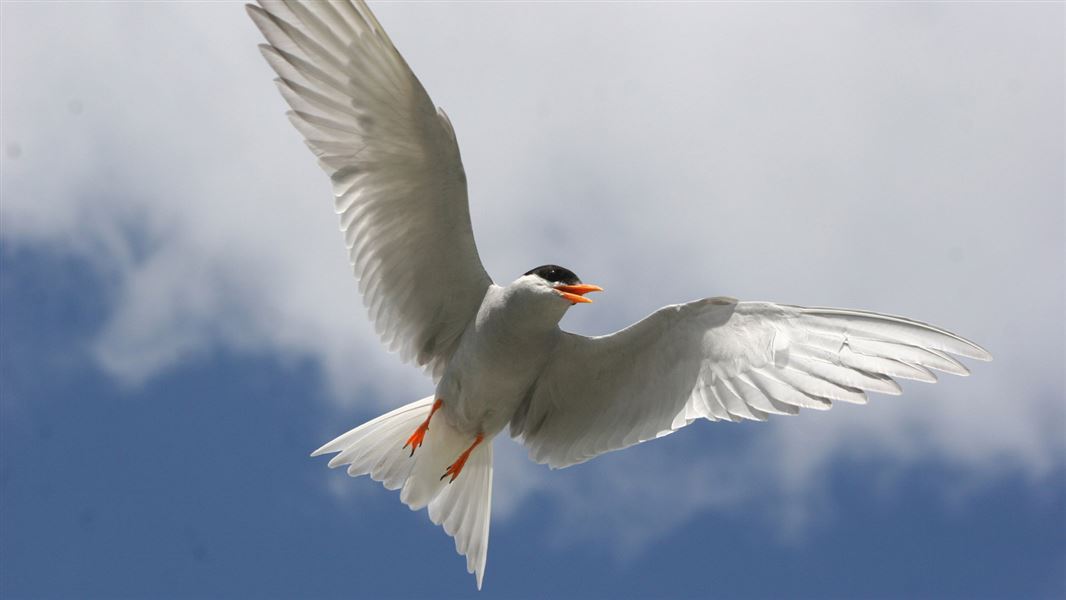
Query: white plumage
[496,353]
[398,183]
[719,359]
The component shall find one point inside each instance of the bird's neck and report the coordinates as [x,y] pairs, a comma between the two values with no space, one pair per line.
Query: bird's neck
[520,313]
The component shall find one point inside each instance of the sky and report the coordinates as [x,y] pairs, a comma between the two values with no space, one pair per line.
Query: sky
[179,327]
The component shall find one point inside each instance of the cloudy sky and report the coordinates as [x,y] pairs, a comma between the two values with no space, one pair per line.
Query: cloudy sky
[180,327]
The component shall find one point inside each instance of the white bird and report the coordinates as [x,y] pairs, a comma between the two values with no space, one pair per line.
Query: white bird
[496,353]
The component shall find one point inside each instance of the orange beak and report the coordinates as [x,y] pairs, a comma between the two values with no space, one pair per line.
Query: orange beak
[576,293]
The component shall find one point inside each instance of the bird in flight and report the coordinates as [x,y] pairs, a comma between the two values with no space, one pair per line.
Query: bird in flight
[495,352]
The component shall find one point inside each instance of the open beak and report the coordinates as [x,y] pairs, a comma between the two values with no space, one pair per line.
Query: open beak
[576,293]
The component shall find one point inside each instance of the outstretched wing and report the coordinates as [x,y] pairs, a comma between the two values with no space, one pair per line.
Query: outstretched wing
[397,176]
[718,359]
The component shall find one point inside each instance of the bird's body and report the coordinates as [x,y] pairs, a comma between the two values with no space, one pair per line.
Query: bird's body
[499,357]
[496,353]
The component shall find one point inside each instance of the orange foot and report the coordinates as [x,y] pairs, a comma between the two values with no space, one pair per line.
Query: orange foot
[420,433]
[457,466]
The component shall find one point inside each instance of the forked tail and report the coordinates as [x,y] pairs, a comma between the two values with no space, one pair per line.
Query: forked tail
[463,507]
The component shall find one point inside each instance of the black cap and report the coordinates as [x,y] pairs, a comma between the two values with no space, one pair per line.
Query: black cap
[555,274]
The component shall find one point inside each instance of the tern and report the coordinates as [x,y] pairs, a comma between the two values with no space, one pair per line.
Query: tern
[495,352]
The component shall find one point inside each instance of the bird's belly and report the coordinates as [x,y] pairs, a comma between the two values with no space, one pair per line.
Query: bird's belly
[482,413]
[482,392]
[485,403]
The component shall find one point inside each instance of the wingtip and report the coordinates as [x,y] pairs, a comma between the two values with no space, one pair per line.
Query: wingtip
[322,450]
[255,12]
[976,353]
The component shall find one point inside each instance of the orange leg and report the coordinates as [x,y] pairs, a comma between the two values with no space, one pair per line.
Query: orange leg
[457,466]
[420,434]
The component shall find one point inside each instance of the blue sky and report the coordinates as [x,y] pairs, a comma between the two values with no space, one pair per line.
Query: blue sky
[179,328]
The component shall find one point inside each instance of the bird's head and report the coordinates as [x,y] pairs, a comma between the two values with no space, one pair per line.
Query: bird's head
[559,283]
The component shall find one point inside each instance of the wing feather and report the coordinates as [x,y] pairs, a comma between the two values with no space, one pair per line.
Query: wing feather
[718,359]
[398,182]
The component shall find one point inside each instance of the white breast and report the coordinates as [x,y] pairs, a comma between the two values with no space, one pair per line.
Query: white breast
[498,359]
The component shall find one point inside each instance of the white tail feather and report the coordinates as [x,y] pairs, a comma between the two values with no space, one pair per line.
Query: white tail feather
[463,507]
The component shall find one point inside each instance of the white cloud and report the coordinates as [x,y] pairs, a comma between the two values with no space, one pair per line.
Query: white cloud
[902,158]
